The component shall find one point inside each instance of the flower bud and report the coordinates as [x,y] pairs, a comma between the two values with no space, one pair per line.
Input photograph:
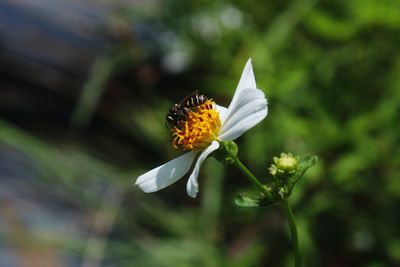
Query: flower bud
[286,163]
[286,171]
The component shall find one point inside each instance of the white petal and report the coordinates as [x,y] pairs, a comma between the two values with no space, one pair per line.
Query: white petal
[247,80]
[249,110]
[192,186]
[166,174]
[223,112]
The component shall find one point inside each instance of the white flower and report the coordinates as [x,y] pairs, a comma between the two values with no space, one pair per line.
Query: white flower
[247,108]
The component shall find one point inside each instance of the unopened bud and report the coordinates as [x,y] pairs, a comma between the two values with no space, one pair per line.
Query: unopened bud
[286,163]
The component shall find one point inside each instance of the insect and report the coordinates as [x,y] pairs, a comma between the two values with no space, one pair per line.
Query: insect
[179,111]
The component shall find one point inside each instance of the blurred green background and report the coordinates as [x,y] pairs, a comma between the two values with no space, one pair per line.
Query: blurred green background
[84,90]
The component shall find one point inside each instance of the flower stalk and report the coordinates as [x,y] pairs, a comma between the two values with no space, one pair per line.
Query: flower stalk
[285,203]
[293,233]
[238,164]
[286,171]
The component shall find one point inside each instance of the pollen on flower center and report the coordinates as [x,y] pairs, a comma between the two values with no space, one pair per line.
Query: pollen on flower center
[200,127]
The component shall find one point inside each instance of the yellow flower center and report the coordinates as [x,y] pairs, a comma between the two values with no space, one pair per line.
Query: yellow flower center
[200,127]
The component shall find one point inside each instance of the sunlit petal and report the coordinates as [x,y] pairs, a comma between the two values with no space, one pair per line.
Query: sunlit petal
[247,80]
[166,174]
[249,110]
[192,186]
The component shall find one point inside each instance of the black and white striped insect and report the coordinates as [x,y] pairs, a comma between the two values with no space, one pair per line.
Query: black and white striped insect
[178,112]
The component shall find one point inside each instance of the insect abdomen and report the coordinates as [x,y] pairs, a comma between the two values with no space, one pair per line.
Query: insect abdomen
[178,112]
[196,100]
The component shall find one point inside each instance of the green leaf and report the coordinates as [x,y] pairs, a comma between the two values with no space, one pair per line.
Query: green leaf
[303,166]
[247,202]
[308,162]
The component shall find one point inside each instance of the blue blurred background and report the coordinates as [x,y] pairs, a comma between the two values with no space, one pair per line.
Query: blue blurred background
[84,90]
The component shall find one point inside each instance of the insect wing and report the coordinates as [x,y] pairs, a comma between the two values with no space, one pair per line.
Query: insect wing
[185,101]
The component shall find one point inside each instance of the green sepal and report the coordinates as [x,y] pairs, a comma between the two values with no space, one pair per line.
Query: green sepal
[244,201]
[227,152]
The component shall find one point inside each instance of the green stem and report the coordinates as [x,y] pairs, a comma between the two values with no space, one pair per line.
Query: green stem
[286,205]
[252,178]
[293,233]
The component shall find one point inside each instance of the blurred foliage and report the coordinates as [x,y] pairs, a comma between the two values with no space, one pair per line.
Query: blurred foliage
[330,70]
